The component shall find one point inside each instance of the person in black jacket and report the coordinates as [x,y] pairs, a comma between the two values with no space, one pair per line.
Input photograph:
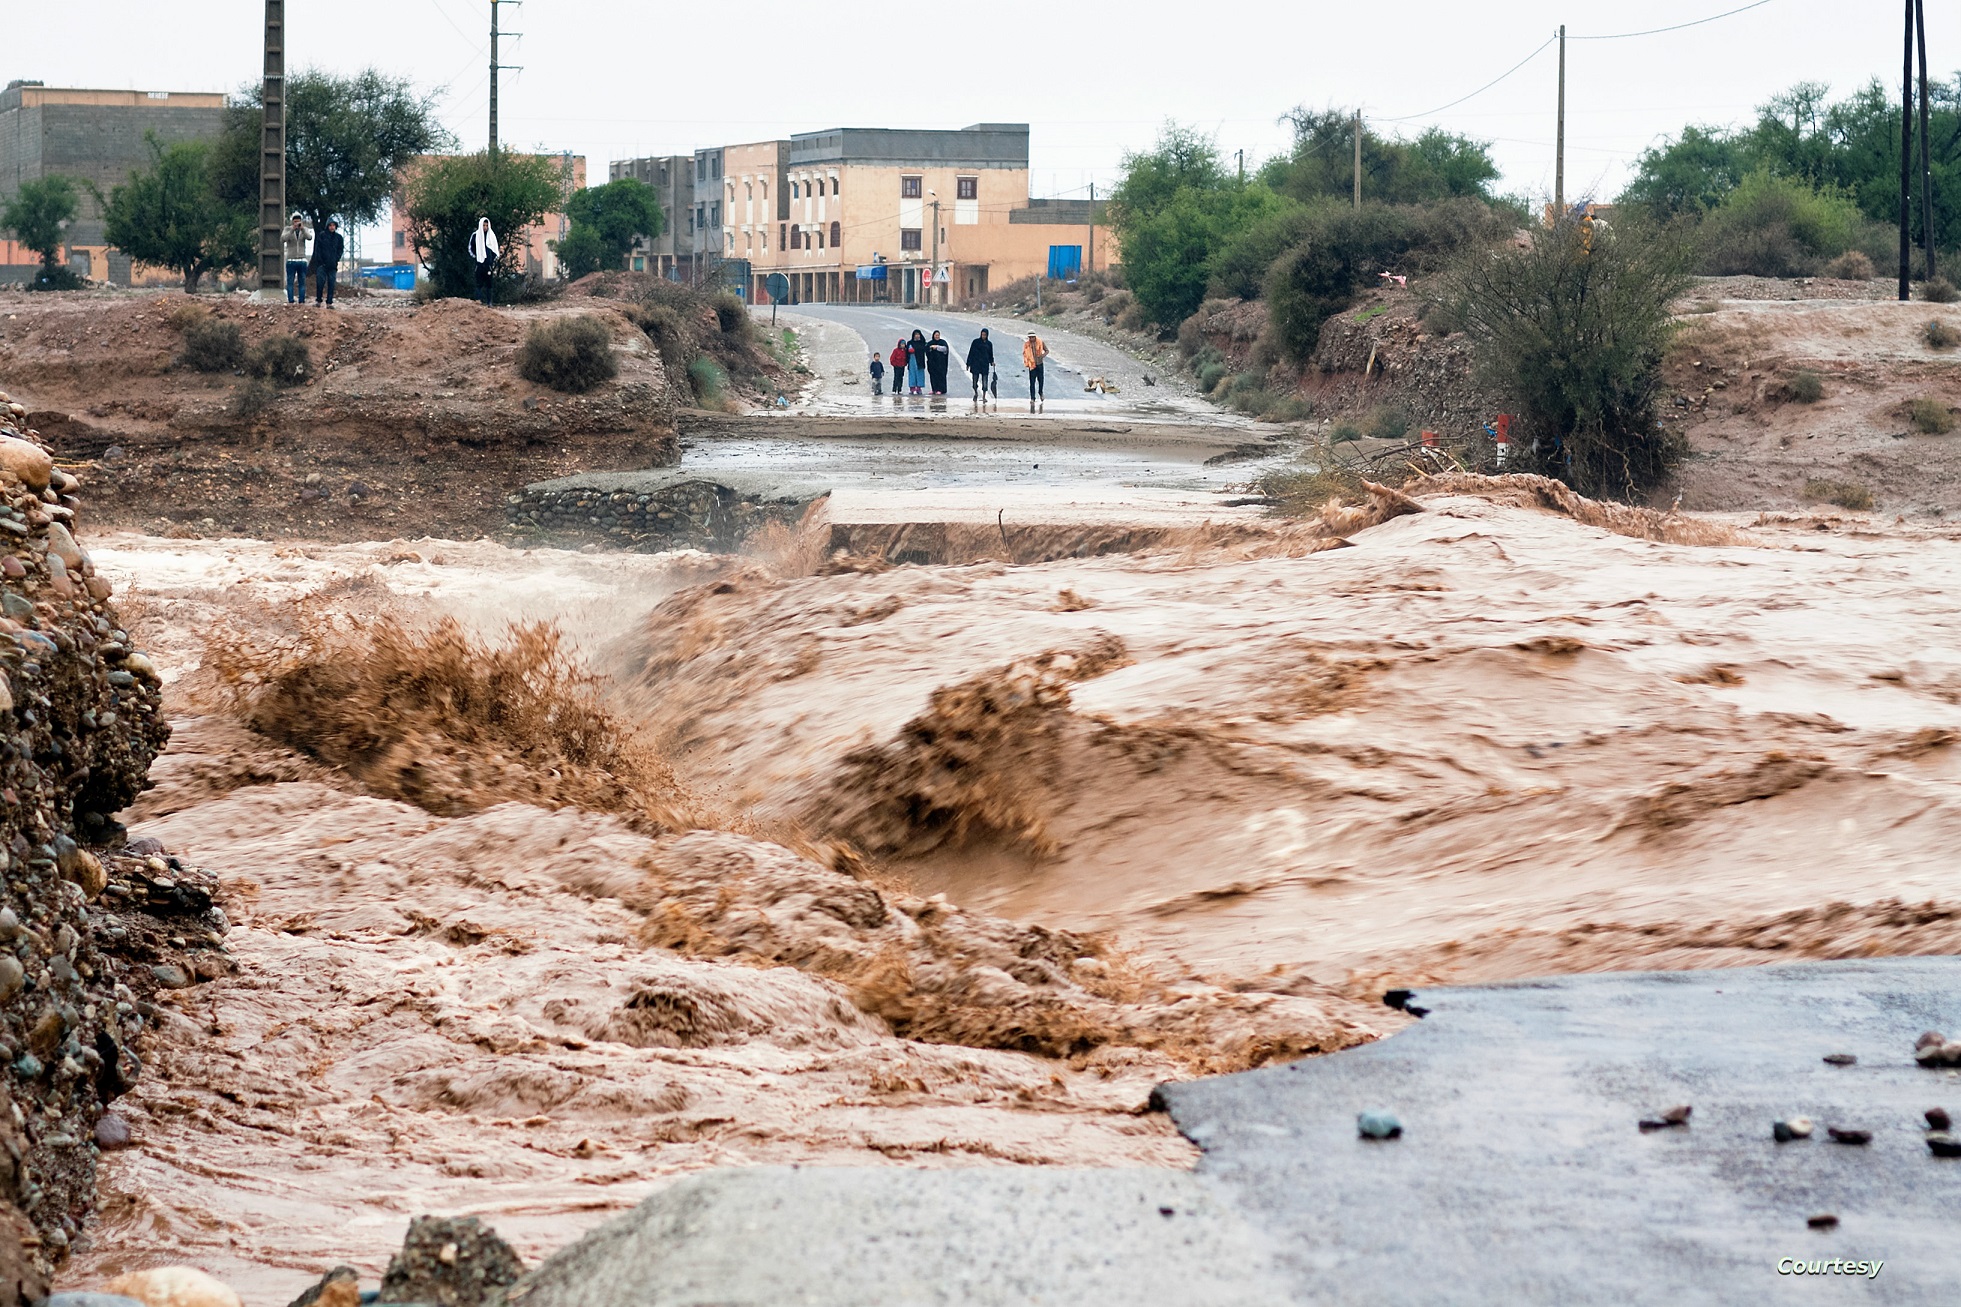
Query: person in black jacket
[326,262]
[938,355]
[980,362]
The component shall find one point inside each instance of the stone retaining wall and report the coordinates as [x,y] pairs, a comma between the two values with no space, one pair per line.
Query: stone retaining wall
[687,514]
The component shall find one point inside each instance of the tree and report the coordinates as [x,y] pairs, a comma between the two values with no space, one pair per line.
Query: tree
[446,196]
[36,216]
[346,140]
[171,215]
[1437,165]
[1572,331]
[605,221]
[1685,176]
[1175,209]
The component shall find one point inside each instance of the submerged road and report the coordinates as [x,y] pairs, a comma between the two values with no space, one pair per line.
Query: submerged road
[1520,1176]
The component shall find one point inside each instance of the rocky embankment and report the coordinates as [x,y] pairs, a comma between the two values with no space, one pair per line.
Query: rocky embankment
[91,928]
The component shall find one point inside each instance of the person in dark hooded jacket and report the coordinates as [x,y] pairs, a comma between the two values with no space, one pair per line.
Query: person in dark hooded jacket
[326,262]
[980,362]
[938,355]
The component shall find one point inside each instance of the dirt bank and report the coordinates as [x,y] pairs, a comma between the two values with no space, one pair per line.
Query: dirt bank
[414,414]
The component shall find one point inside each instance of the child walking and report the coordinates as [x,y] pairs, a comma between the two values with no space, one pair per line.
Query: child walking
[878,375]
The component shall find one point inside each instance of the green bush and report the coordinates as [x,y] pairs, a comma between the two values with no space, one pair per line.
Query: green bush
[281,360]
[1939,290]
[709,380]
[1210,372]
[1930,417]
[212,346]
[1772,226]
[1939,335]
[1386,422]
[1344,433]
[1574,337]
[1806,386]
[1285,408]
[569,354]
[1347,248]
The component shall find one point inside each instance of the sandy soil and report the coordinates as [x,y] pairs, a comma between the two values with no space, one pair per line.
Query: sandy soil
[1754,447]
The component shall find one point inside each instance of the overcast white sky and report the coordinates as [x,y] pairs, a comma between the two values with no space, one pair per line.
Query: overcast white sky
[615,80]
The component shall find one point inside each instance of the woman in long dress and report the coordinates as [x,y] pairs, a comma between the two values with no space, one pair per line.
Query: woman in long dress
[483,253]
[916,363]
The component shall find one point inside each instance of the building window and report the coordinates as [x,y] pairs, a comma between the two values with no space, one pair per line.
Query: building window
[783,236]
[793,190]
[910,188]
[401,239]
[909,238]
[715,214]
[836,189]
[837,235]
[796,238]
[967,188]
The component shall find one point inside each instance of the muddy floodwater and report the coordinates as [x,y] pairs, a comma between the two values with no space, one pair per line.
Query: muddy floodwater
[1202,802]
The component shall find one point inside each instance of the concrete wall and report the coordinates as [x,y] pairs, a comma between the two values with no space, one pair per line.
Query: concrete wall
[94,137]
[672,178]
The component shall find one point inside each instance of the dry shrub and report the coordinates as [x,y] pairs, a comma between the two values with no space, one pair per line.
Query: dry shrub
[1939,290]
[436,717]
[1523,490]
[1846,494]
[976,766]
[1805,387]
[1940,335]
[184,316]
[570,354]
[281,360]
[1930,416]
[1853,265]
[212,346]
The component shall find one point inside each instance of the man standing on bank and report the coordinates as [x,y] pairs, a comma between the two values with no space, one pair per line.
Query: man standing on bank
[326,262]
[980,362]
[296,236]
[1033,352]
[483,253]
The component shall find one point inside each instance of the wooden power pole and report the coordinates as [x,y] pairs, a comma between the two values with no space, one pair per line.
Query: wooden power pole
[1089,264]
[1906,154]
[1358,158]
[1926,168]
[1559,140]
[495,66]
[272,153]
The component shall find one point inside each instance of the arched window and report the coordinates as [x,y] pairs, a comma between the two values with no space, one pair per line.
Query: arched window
[820,189]
[793,190]
[837,234]
[820,237]
[835,188]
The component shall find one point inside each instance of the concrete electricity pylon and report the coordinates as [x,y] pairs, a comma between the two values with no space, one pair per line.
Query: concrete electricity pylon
[495,66]
[272,154]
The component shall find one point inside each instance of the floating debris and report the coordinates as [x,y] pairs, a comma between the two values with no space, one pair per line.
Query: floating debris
[1796,1127]
[1379,1125]
[1848,1136]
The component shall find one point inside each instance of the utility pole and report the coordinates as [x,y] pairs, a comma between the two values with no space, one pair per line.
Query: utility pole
[1089,265]
[1906,154]
[1358,158]
[1926,169]
[1559,143]
[939,289]
[272,153]
[495,66]
[1242,166]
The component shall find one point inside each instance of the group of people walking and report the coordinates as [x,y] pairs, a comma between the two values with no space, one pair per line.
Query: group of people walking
[324,263]
[923,363]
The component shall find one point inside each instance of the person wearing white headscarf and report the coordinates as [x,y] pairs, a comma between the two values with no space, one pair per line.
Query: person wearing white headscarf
[483,253]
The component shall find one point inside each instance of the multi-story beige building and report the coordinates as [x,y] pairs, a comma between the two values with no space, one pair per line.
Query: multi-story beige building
[903,215]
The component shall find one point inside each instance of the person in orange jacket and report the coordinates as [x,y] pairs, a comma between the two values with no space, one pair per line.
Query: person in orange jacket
[1033,352]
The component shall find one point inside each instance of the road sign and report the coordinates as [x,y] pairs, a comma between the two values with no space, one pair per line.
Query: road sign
[778,287]
[926,275]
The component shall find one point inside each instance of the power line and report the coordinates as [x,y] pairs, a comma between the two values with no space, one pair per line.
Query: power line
[1482,89]
[1656,31]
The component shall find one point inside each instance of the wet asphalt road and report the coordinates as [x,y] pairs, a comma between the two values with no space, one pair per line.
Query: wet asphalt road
[882,326]
[1520,1176]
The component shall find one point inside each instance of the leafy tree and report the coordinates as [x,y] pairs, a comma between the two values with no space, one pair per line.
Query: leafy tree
[446,196]
[172,216]
[1850,145]
[1780,226]
[1572,329]
[36,216]
[605,221]
[1436,165]
[346,140]
[1175,209]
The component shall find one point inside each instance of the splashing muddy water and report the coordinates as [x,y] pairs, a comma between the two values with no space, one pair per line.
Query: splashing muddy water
[1178,810]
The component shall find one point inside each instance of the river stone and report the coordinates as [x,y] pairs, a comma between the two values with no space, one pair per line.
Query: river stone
[62,545]
[111,1131]
[27,461]
[340,1287]
[451,1262]
[92,1300]
[175,1286]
